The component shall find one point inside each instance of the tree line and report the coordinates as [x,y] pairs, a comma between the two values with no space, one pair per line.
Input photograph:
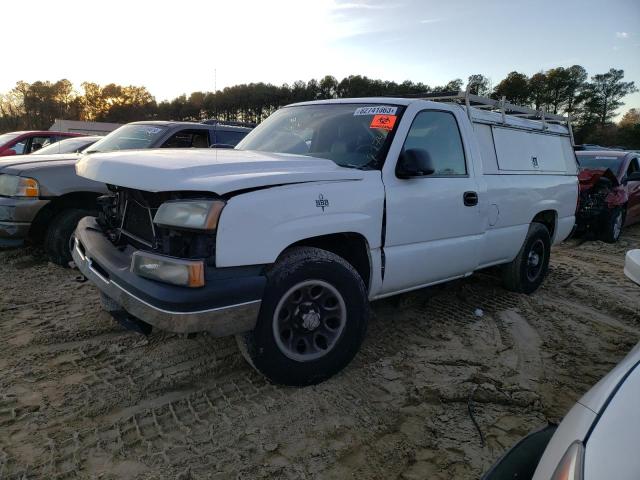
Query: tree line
[593,102]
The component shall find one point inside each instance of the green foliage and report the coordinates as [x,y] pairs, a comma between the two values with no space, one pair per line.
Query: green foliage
[592,104]
[515,89]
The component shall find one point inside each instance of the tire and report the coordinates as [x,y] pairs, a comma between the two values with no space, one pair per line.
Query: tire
[59,231]
[612,227]
[312,320]
[527,271]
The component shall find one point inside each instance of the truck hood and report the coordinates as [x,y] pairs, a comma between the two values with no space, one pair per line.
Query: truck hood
[588,177]
[29,161]
[214,170]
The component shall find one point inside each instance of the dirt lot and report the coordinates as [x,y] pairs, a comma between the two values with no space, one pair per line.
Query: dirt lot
[82,398]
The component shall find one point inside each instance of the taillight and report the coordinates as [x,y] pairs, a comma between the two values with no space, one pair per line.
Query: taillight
[578,199]
[572,464]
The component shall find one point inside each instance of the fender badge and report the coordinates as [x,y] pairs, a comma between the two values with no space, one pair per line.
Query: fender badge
[322,202]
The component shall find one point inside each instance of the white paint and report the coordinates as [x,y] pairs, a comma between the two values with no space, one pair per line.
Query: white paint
[212,170]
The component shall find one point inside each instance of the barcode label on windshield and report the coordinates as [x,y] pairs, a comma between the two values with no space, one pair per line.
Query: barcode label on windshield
[379,110]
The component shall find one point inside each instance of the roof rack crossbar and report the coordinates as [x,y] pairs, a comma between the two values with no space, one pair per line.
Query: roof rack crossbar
[478,101]
[503,107]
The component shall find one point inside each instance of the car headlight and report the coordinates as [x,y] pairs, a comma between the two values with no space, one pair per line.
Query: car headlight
[193,214]
[15,186]
[187,273]
[571,465]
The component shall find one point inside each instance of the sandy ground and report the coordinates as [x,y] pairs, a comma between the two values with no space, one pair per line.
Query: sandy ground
[82,398]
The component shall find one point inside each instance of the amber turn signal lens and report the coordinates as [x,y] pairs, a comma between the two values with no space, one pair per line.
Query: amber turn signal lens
[30,187]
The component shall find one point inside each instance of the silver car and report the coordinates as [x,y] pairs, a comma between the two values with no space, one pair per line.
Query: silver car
[598,439]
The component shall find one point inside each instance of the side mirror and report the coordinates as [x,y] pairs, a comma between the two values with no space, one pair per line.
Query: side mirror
[221,145]
[414,162]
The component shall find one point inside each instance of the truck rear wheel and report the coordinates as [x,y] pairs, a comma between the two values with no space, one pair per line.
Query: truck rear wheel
[527,271]
[61,227]
[612,226]
[312,321]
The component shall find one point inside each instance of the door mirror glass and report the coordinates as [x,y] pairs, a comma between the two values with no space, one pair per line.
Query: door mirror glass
[414,162]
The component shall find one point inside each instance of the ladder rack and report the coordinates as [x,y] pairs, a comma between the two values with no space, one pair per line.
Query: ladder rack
[500,106]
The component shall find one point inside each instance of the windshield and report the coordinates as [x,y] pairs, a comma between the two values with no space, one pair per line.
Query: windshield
[600,162]
[7,137]
[352,135]
[128,137]
[70,145]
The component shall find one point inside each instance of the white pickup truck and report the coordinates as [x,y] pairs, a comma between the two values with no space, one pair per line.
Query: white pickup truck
[326,205]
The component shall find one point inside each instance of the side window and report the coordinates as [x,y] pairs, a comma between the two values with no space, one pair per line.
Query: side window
[438,134]
[38,142]
[19,147]
[188,139]
[634,166]
[229,137]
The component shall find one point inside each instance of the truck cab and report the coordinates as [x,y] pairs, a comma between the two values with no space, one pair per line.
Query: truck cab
[324,207]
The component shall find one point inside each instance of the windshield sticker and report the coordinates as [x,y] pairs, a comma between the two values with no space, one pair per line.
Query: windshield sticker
[379,110]
[385,122]
[153,130]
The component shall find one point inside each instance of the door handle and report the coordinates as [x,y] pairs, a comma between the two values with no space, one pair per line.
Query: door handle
[470,199]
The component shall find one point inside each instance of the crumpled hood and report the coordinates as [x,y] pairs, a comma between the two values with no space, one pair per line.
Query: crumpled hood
[28,161]
[215,170]
[588,177]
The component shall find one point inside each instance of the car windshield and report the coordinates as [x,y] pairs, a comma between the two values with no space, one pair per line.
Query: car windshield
[7,137]
[69,145]
[351,135]
[128,137]
[600,162]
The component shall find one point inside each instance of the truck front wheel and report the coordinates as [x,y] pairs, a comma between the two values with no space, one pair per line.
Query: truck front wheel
[312,320]
[527,271]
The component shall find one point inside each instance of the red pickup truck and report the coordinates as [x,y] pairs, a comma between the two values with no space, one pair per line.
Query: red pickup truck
[22,143]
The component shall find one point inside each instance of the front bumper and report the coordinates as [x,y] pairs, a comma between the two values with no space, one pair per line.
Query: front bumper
[16,215]
[228,303]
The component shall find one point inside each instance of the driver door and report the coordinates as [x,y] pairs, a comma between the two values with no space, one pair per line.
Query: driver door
[434,229]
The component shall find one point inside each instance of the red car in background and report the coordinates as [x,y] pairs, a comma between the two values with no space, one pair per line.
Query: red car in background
[609,192]
[23,143]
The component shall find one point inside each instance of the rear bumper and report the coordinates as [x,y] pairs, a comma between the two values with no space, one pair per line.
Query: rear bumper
[16,215]
[228,304]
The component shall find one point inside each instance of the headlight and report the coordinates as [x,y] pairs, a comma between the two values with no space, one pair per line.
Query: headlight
[571,465]
[195,214]
[14,186]
[187,273]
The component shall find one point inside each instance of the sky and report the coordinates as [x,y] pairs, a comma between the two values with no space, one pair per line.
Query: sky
[179,47]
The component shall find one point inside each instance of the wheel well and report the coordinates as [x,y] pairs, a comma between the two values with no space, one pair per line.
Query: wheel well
[353,247]
[86,200]
[548,219]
